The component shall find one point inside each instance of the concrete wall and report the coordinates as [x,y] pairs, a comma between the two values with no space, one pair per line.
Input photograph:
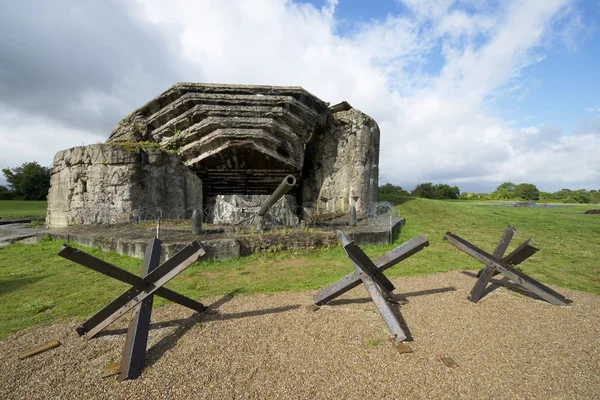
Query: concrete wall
[342,165]
[103,183]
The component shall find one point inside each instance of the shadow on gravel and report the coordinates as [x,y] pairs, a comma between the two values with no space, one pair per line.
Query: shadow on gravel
[396,311]
[254,313]
[225,299]
[207,315]
[154,353]
[402,296]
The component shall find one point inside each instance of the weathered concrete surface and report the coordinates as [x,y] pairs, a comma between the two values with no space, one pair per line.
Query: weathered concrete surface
[132,241]
[221,243]
[232,209]
[131,129]
[17,232]
[105,183]
[239,138]
[342,165]
[273,241]
[9,221]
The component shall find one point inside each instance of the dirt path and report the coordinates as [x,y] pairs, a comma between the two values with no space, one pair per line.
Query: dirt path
[272,346]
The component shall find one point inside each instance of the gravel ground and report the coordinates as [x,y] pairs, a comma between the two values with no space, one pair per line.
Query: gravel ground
[274,346]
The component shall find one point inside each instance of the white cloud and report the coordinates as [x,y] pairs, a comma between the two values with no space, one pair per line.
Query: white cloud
[532,130]
[25,138]
[436,126]
[31,138]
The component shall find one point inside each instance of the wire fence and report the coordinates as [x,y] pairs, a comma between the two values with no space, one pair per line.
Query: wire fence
[379,214]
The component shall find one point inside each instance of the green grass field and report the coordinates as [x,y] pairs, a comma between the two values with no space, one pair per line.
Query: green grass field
[37,286]
[22,208]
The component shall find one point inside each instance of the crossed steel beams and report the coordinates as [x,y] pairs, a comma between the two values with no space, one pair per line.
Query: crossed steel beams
[139,297]
[370,274]
[505,266]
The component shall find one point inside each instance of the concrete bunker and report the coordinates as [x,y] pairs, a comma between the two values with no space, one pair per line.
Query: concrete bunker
[238,142]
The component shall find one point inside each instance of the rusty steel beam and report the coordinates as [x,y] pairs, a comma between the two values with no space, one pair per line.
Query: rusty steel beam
[378,285]
[518,255]
[382,305]
[507,270]
[521,253]
[485,275]
[504,242]
[139,297]
[359,258]
[349,282]
[147,286]
[134,352]
[107,269]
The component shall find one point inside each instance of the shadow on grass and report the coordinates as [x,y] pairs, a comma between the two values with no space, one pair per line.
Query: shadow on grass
[224,299]
[10,285]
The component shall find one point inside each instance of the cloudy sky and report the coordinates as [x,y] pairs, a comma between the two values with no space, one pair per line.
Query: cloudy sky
[466,92]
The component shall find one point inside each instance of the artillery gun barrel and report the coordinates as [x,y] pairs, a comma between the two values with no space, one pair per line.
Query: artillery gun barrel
[284,187]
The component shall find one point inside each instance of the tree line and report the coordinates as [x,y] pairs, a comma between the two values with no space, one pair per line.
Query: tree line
[30,181]
[395,194]
[505,191]
[529,192]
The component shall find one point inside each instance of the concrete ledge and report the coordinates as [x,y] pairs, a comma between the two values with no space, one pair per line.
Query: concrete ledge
[19,220]
[216,249]
[131,240]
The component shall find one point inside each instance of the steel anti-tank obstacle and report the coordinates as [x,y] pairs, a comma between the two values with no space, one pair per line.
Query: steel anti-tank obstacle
[139,297]
[495,265]
[153,277]
[371,275]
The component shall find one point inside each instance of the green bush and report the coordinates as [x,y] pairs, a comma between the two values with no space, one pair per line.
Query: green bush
[6,193]
[394,194]
[527,191]
[30,181]
[430,191]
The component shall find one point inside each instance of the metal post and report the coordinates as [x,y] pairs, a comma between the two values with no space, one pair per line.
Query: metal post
[378,285]
[489,271]
[196,222]
[382,305]
[352,216]
[139,297]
